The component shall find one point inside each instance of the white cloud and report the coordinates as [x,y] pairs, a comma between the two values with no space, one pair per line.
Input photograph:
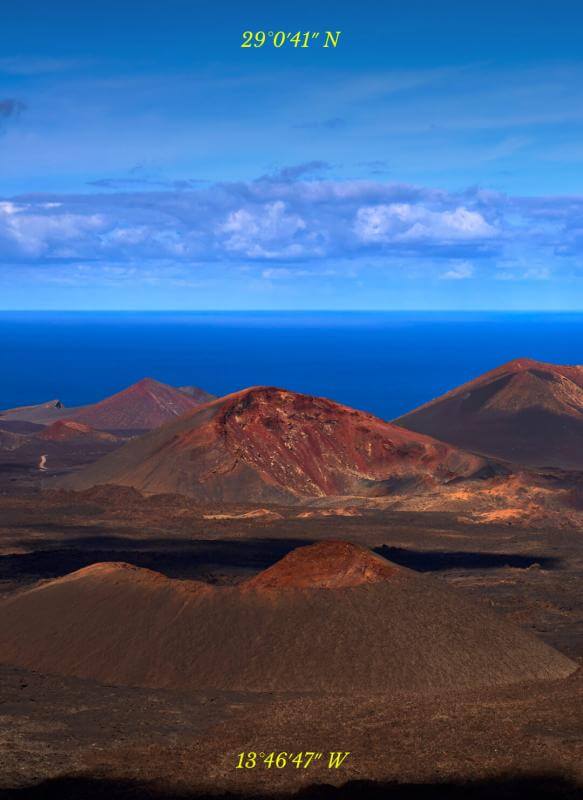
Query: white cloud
[318,225]
[36,234]
[459,271]
[404,222]
[265,232]
[9,208]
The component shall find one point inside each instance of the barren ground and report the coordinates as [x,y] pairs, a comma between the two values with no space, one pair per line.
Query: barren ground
[70,738]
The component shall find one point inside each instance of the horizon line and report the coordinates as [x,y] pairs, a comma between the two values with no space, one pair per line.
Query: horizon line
[290,311]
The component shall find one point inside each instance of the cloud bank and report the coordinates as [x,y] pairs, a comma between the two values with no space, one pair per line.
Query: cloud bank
[286,219]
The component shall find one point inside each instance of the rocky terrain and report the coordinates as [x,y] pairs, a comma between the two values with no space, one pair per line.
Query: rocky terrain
[160,612]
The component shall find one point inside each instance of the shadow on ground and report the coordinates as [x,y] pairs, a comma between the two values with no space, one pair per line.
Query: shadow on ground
[176,558]
[199,559]
[437,560]
[533,787]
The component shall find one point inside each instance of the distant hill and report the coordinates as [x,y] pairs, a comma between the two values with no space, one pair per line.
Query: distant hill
[267,444]
[142,406]
[526,412]
[145,405]
[68,430]
[40,414]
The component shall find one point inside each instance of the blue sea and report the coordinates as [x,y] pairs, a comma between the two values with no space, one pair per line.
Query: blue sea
[386,363]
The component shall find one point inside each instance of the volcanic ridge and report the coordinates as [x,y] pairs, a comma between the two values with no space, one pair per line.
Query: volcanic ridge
[526,412]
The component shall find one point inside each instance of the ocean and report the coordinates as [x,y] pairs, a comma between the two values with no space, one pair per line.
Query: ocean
[385,363]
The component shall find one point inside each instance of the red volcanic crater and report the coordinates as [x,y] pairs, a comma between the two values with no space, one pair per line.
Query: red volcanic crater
[268,444]
[327,565]
[329,617]
[526,412]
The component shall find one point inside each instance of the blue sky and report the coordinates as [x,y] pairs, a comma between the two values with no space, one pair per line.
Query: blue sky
[434,160]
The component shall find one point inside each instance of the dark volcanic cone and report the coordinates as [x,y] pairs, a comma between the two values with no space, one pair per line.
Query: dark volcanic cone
[328,617]
[525,412]
[270,445]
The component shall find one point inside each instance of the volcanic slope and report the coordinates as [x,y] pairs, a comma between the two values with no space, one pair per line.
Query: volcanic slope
[197,394]
[271,445]
[328,617]
[145,405]
[526,412]
[11,441]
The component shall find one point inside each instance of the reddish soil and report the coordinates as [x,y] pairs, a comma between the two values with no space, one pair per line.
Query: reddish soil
[326,646]
[266,444]
[68,430]
[326,565]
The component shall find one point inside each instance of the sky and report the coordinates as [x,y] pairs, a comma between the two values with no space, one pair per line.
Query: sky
[432,160]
